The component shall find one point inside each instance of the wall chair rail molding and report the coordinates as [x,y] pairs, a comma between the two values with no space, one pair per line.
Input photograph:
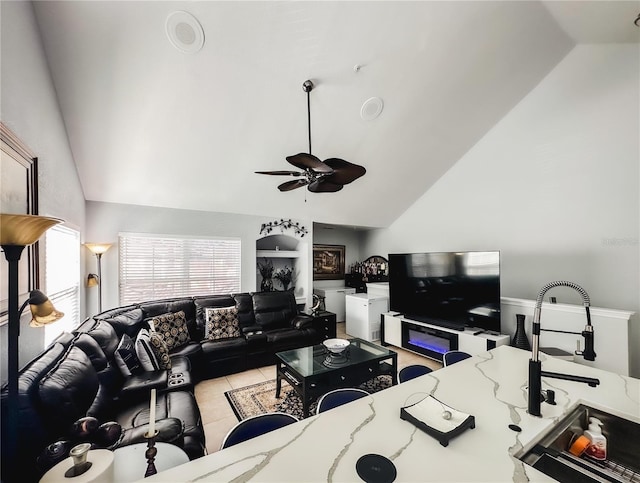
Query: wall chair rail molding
[19,195]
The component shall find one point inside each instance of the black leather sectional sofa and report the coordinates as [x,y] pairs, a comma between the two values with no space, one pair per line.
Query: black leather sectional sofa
[80,375]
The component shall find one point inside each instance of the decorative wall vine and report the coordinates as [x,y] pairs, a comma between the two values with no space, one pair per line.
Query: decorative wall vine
[298,229]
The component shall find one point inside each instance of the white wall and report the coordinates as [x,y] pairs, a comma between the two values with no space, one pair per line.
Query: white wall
[106,220]
[349,237]
[29,108]
[554,186]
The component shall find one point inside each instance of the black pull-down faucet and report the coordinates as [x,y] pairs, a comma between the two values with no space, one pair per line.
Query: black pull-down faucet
[535,365]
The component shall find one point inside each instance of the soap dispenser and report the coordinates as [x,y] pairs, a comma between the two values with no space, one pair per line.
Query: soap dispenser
[598,447]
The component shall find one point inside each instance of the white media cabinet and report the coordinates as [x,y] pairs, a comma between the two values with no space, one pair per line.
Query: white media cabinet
[436,337]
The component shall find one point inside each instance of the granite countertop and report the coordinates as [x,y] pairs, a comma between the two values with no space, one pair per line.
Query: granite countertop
[490,386]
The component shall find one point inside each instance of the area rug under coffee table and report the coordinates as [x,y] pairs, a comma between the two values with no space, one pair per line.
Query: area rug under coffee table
[260,398]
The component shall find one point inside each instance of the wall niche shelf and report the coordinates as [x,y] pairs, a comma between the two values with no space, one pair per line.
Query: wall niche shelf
[285,251]
[277,254]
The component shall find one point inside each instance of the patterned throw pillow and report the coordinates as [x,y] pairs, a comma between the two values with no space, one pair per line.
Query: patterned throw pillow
[160,350]
[173,329]
[221,323]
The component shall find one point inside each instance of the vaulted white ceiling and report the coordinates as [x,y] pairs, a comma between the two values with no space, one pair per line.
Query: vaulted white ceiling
[151,125]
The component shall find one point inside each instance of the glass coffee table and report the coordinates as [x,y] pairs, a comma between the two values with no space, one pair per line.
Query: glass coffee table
[313,371]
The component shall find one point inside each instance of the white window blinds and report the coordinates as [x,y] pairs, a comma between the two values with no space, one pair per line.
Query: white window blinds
[154,267]
[62,279]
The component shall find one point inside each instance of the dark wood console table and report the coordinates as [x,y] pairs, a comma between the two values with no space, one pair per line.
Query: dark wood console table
[325,324]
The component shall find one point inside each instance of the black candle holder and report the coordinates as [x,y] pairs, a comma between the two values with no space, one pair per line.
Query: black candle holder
[151,453]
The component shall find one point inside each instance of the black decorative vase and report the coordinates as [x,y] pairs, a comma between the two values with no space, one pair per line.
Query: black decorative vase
[520,337]
[266,285]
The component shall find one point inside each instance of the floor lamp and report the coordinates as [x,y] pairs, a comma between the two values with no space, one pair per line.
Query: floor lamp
[16,232]
[97,249]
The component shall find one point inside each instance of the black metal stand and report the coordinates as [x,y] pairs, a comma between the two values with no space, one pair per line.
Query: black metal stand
[151,453]
[12,253]
[99,257]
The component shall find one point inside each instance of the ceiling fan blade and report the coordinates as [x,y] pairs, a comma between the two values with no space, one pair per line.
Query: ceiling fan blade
[281,173]
[309,161]
[321,186]
[344,172]
[291,185]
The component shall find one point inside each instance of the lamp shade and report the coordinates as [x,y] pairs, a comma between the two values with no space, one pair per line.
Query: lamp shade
[23,230]
[92,280]
[98,248]
[42,310]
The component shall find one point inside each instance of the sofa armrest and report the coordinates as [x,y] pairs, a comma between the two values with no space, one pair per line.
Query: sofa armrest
[170,430]
[302,321]
[144,382]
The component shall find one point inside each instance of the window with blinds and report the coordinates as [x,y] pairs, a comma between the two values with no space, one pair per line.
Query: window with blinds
[62,279]
[154,267]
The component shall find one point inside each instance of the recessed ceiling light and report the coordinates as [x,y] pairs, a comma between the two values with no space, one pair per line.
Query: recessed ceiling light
[371,108]
[185,32]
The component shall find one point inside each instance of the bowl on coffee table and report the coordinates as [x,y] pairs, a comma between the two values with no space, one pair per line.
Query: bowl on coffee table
[336,346]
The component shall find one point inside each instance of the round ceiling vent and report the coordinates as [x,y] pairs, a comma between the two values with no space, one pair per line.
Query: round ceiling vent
[371,108]
[185,32]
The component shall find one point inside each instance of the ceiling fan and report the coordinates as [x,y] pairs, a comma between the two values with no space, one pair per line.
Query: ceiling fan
[326,176]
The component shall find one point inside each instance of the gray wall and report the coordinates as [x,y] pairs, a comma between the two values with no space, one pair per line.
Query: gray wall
[554,186]
[351,238]
[106,220]
[29,108]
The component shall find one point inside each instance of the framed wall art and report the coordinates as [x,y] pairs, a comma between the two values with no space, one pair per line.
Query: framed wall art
[19,175]
[328,262]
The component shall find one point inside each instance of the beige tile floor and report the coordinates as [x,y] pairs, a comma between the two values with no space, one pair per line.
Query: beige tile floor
[217,415]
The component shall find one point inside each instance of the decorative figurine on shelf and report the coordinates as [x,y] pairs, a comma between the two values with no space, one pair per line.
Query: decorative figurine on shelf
[318,304]
[285,277]
[266,272]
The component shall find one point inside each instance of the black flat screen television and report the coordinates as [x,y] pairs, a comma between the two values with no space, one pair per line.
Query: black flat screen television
[450,289]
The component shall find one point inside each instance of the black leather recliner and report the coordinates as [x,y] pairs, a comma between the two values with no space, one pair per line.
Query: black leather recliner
[126,399]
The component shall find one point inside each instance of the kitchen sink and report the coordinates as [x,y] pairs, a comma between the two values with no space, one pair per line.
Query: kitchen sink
[550,454]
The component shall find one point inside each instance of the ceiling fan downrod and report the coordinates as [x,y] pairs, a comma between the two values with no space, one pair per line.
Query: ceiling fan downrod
[307,86]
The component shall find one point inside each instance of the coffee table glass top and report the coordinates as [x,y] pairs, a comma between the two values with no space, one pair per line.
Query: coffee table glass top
[309,361]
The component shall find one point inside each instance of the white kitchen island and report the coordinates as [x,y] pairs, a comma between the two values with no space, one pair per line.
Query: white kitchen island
[490,386]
